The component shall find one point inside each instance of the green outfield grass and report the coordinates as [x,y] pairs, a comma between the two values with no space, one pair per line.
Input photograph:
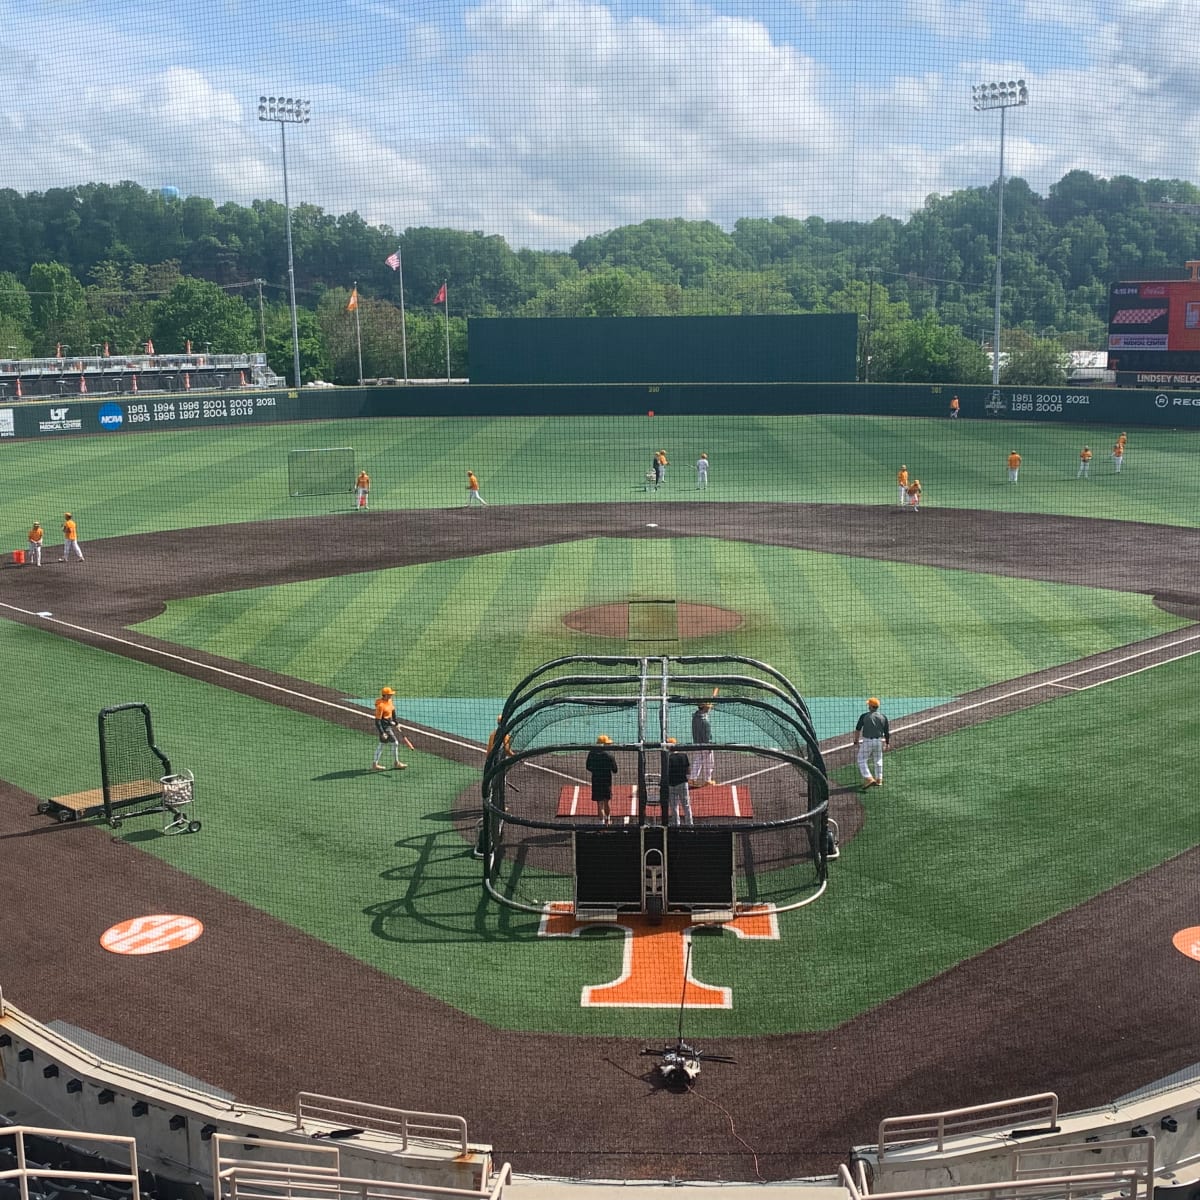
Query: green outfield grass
[131,483]
[975,838]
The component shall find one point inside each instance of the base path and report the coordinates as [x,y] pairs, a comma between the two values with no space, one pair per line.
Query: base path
[1086,1004]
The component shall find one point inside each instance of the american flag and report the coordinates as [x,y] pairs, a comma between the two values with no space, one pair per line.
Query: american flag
[393,260]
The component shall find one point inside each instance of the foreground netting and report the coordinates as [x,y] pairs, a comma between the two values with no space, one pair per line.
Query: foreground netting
[760,834]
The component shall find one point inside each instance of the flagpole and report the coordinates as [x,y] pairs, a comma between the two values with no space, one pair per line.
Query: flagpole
[358,334]
[403,323]
[446,317]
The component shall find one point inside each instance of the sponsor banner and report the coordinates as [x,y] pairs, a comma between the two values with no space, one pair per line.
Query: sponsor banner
[8,425]
[1137,341]
[61,420]
[1180,379]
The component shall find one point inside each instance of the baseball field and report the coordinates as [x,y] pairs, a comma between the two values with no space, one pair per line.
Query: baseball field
[999,920]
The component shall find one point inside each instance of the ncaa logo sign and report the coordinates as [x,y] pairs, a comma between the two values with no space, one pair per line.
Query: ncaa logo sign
[110,416]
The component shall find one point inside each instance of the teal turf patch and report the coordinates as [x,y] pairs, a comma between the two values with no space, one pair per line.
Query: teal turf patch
[475,719]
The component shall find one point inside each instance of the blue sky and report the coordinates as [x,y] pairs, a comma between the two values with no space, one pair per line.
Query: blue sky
[547,120]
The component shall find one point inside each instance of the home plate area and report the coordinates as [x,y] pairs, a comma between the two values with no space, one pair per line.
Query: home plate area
[716,800]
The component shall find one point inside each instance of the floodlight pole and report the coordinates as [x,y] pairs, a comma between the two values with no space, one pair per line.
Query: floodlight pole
[984,98]
[287,111]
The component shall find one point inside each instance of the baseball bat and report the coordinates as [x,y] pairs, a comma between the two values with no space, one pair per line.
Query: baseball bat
[408,743]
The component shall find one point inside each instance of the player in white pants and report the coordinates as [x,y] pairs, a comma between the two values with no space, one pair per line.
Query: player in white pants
[871,735]
[702,472]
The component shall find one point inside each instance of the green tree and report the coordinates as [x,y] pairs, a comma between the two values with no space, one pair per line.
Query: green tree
[201,313]
[926,351]
[57,307]
[1034,361]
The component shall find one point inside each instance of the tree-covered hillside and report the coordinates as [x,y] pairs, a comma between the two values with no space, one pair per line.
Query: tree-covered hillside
[100,265]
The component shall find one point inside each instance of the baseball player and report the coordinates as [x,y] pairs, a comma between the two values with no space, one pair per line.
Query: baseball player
[872,735]
[1118,455]
[954,407]
[913,492]
[362,489]
[678,806]
[34,553]
[902,485]
[387,725]
[703,761]
[1014,465]
[70,539]
[601,766]
[702,472]
[473,496]
[1085,463]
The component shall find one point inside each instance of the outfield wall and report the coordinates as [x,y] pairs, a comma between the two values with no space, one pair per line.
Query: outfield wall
[1092,406]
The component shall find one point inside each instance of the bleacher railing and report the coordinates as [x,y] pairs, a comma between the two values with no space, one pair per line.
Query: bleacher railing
[109,1146]
[1025,1112]
[314,1109]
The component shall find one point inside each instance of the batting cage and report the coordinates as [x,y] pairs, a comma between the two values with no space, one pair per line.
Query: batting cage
[751,827]
[321,472]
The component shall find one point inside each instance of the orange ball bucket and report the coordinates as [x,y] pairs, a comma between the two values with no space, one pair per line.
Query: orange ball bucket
[19,557]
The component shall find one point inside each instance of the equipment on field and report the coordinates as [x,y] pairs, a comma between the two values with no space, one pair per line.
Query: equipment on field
[680,1066]
[323,472]
[133,771]
[548,844]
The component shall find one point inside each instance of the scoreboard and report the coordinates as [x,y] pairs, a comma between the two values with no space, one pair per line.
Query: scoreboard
[1154,332]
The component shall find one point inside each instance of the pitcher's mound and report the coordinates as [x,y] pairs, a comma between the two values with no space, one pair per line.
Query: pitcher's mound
[691,620]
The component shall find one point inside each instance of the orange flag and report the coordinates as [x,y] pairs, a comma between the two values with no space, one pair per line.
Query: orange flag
[353,301]
[440,298]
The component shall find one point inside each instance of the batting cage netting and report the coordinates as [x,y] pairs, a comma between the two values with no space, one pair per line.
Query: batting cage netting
[321,472]
[132,767]
[751,827]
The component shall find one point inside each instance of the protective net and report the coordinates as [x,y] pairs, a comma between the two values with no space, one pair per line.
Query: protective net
[131,765]
[321,472]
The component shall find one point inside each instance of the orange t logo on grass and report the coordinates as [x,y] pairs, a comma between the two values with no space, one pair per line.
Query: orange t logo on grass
[655,957]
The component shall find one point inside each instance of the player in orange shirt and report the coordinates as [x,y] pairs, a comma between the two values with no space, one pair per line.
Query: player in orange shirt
[70,539]
[1014,465]
[913,492]
[954,406]
[473,495]
[902,485]
[1118,456]
[362,489]
[1085,463]
[34,553]
[387,725]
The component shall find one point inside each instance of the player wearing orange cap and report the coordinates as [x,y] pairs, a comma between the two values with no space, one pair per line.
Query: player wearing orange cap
[71,539]
[1014,465]
[387,725]
[602,766]
[902,485]
[1118,455]
[1085,463]
[913,492]
[871,735]
[362,489]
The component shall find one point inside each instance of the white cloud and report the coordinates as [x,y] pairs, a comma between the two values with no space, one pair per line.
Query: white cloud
[546,120]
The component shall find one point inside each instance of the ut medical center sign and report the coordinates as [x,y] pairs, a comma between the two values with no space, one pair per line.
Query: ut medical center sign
[1094,406]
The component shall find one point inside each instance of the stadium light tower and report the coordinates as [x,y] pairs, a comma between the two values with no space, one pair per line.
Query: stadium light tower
[287,110]
[984,98]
